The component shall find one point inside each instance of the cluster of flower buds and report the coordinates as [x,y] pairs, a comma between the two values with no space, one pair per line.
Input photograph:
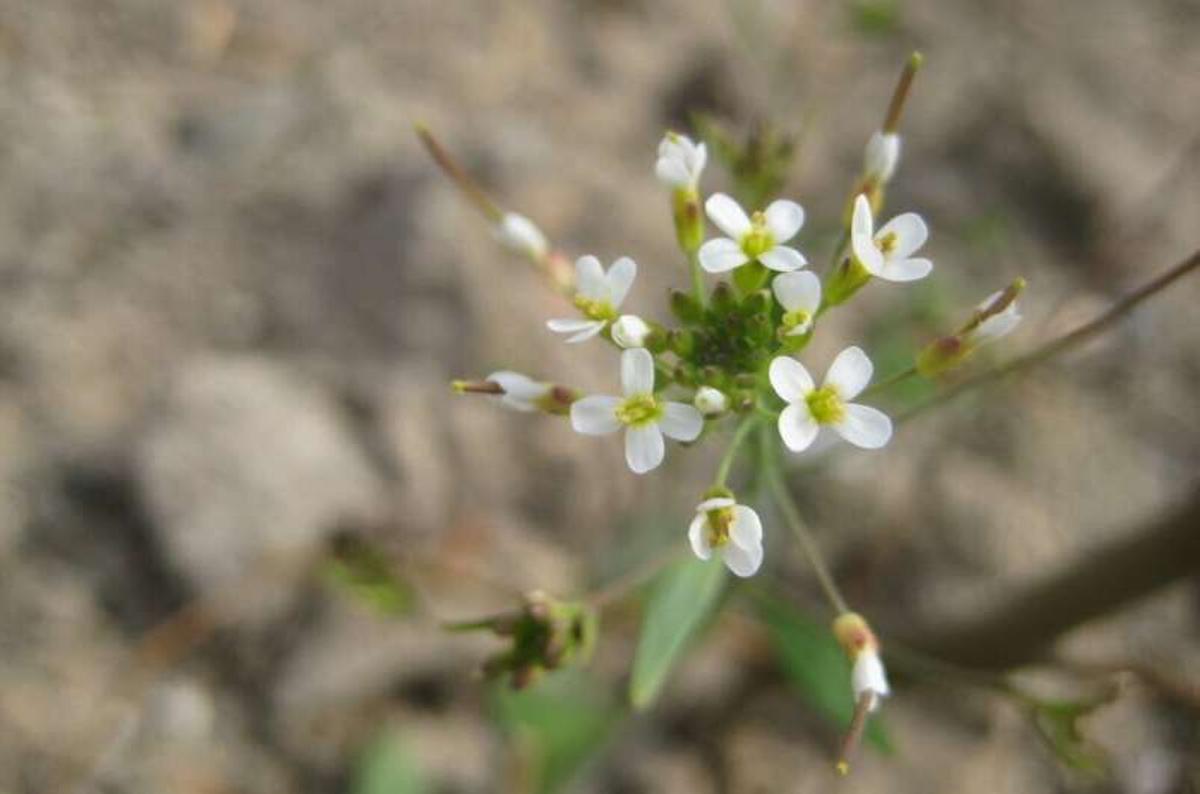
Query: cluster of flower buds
[544,634]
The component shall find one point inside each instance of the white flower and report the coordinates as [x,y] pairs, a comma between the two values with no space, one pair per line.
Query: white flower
[998,324]
[521,393]
[881,156]
[810,407]
[886,253]
[521,235]
[710,401]
[734,531]
[680,161]
[645,417]
[630,331]
[759,238]
[800,296]
[869,675]
[598,295]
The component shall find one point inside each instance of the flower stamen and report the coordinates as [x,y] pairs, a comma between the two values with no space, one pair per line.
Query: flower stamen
[639,410]
[826,405]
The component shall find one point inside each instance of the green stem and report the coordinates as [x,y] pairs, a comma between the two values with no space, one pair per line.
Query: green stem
[698,291]
[891,381]
[791,515]
[739,436]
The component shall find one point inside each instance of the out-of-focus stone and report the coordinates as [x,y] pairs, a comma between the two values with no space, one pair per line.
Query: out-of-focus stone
[249,468]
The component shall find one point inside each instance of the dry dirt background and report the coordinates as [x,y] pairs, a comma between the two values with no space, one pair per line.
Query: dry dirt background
[234,290]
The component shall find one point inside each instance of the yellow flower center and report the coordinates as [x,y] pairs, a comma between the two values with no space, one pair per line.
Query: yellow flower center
[639,410]
[719,523]
[797,319]
[595,309]
[887,243]
[758,240]
[826,405]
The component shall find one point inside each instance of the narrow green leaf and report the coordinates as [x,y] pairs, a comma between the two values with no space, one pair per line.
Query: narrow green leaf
[816,666]
[683,598]
[388,767]
[556,726]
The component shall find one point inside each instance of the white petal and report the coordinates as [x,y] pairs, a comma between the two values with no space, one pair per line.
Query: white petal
[589,278]
[520,391]
[882,155]
[997,325]
[697,160]
[746,529]
[784,219]
[629,330]
[620,279]
[869,675]
[727,215]
[582,329]
[801,290]
[595,416]
[710,401]
[797,427]
[742,561]
[672,171]
[521,235]
[911,233]
[849,373]
[681,422]
[721,254]
[905,270]
[716,503]
[644,448]
[865,427]
[783,259]
[637,372]
[790,379]
[698,537]
[862,243]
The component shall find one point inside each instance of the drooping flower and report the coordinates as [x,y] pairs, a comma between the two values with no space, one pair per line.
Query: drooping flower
[887,254]
[868,674]
[881,156]
[997,320]
[799,294]
[710,401]
[995,317]
[630,331]
[809,407]
[645,417]
[520,235]
[598,296]
[760,237]
[680,161]
[732,530]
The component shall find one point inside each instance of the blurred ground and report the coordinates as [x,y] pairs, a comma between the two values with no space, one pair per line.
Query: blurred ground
[234,290]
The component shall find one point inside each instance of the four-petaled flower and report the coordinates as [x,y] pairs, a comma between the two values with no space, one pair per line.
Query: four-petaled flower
[809,407]
[800,296]
[760,237]
[680,161]
[887,254]
[732,530]
[598,295]
[646,417]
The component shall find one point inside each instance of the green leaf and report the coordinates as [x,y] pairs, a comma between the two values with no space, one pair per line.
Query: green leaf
[1057,723]
[816,666]
[388,767]
[682,600]
[556,726]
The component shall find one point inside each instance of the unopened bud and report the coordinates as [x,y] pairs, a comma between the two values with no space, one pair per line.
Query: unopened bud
[710,401]
[881,157]
[629,330]
[996,316]
[520,235]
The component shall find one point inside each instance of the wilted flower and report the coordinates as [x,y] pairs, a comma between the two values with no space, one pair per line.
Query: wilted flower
[810,407]
[680,161]
[646,418]
[521,235]
[886,254]
[760,237]
[734,531]
[598,295]
[881,157]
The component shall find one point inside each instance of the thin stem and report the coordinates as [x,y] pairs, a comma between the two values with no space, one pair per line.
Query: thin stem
[631,580]
[459,175]
[891,122]
[698,291]
[735,443]
[891,381]
[1067,341]
[791,515]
